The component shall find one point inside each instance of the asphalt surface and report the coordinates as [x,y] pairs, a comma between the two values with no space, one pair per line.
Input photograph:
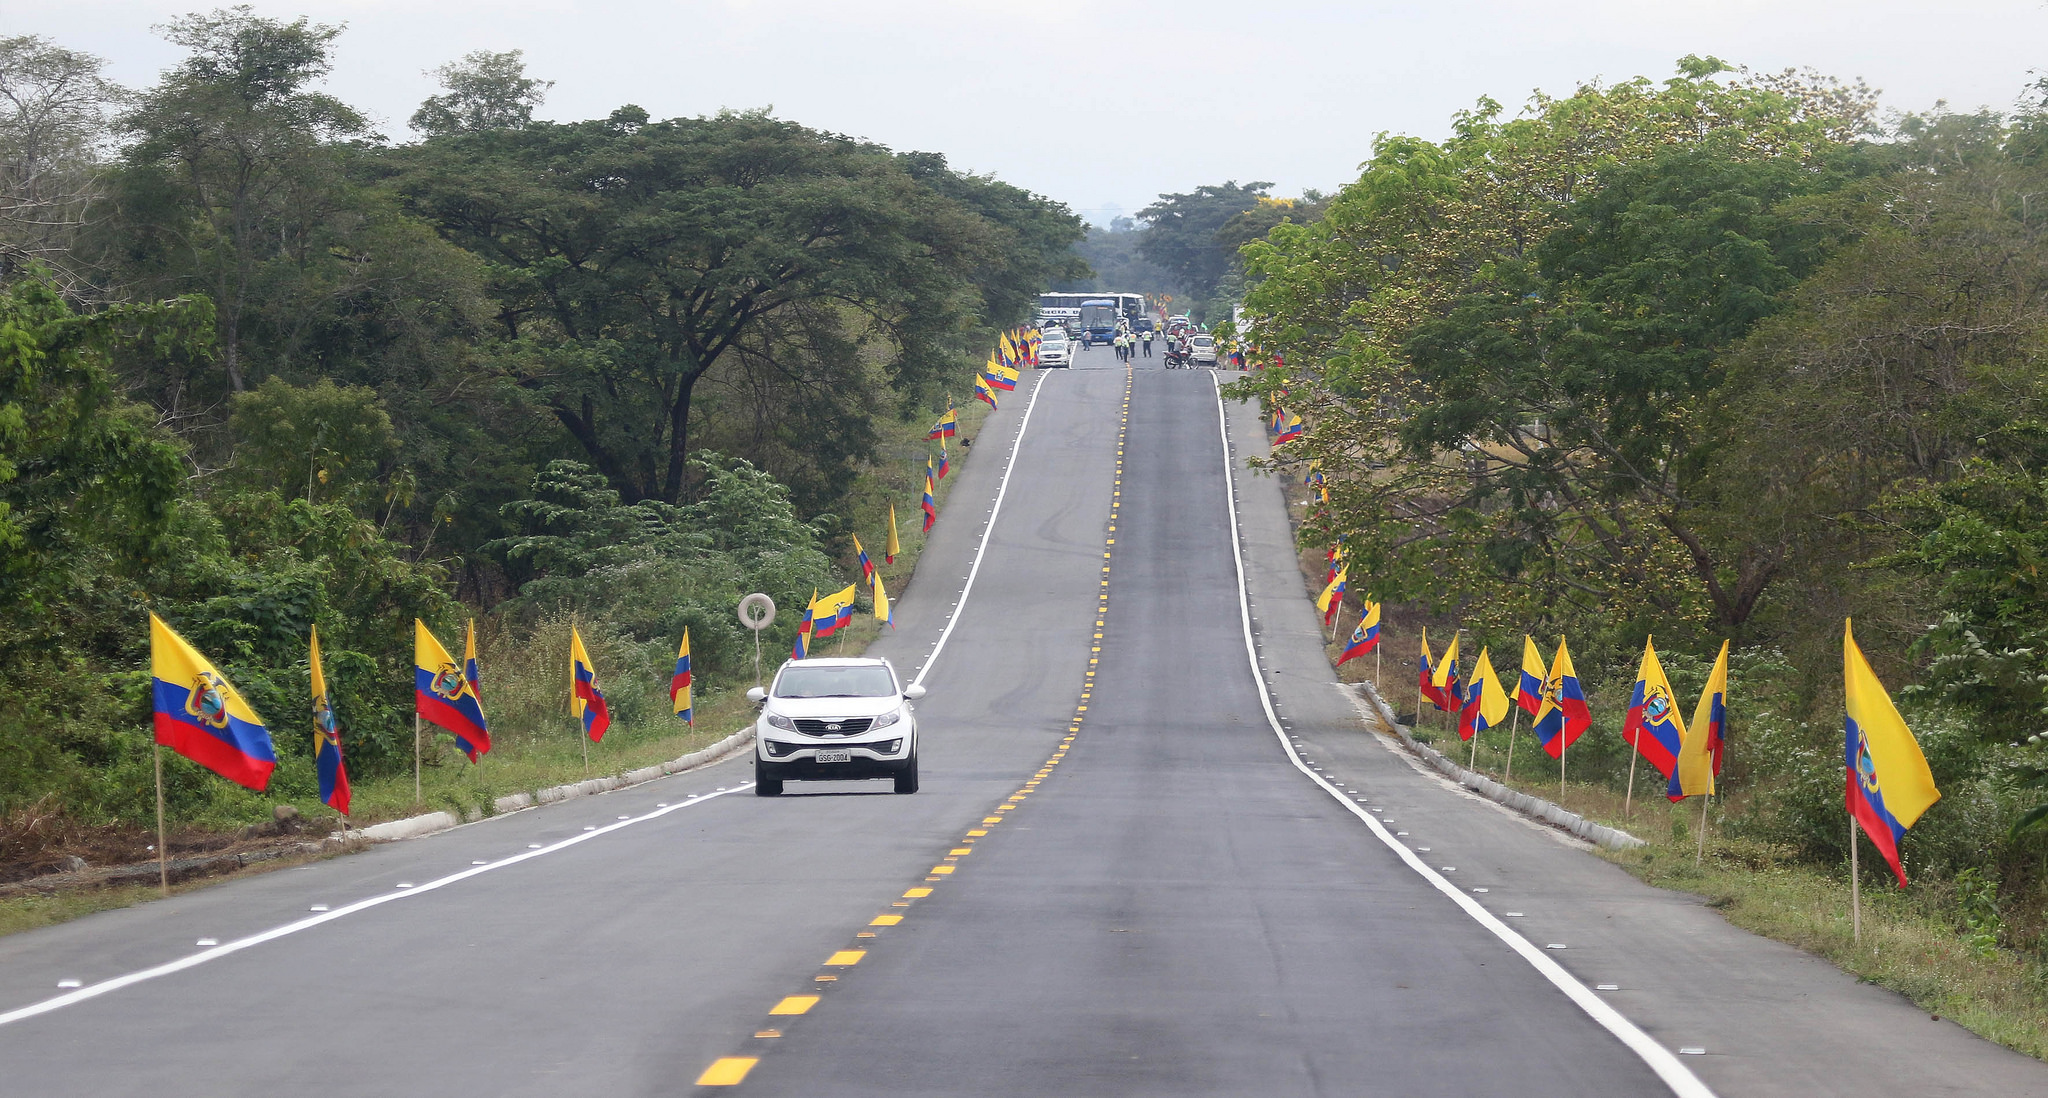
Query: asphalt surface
[1169,905]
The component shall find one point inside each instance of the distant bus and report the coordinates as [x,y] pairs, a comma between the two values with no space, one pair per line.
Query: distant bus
[1129,306]
[1098,320]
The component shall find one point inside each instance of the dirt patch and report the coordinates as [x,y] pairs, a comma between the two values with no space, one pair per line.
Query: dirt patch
[43,850]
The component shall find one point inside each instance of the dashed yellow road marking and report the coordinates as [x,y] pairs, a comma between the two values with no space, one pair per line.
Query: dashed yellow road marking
[917,893]
[958,851]
[727,1071]
[885,920]
[846,958]
[794,1004]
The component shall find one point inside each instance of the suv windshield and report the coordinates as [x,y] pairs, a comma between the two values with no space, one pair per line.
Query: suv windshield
[842,681]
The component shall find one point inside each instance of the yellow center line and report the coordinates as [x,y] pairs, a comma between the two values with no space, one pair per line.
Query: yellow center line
[794,1004]
[727,1071]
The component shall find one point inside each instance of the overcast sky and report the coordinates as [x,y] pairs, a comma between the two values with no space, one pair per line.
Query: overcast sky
[1105,105]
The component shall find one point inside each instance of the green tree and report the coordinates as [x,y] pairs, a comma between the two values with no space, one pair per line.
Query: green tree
[235,144]
[636,257]
[484,91]
[1181,232]
[53,132]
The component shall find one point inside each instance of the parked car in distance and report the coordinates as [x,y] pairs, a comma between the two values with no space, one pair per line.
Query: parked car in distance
[1054,352]
[1203,349]
[835,719]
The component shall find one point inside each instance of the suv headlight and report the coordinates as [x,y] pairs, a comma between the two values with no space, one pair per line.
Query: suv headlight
[886,719]
[777,720]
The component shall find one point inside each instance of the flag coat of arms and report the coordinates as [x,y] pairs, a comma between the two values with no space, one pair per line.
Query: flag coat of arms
[199,714]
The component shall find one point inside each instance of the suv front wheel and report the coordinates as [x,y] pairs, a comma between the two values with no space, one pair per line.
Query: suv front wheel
[765,786]
[906,780]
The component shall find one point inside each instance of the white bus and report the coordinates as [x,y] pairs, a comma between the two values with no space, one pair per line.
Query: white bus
[1130,306]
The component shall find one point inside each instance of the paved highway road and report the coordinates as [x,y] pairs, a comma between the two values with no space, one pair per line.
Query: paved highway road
[1136,868]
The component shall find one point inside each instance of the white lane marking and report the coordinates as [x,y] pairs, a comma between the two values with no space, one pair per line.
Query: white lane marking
[181,964]
[1675,1075]
[986,531]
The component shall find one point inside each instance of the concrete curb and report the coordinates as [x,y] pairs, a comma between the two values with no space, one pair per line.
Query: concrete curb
[412,827]
[1533,807]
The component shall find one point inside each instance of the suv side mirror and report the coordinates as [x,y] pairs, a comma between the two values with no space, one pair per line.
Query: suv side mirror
[756,695]
[913,691]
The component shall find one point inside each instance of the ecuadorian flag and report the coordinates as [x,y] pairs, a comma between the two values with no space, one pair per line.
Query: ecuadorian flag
[327,762]
[679,682]
[1653,726]
[1889,785]
[1565,715]
[1486,704]
[832,612]
[1529,692]
[1699,761]
[200,716]
[445,695]
[1366,636]
[585,699]
[802,647]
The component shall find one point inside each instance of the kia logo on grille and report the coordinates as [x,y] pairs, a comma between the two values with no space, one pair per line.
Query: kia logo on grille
[831,728]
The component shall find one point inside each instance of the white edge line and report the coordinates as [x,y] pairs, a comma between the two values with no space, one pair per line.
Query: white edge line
[987,531]
[1675,1074]
[196,959]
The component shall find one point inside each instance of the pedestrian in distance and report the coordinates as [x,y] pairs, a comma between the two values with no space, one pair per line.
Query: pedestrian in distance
[1148,343]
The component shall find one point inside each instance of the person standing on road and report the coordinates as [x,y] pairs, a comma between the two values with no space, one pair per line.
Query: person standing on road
[1148,343]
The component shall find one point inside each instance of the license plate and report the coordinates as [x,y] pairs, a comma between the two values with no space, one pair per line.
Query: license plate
[834,756]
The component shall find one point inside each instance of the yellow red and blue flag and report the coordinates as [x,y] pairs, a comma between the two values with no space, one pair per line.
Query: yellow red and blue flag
[444,693]
[1888,783]
[200,715]
[327,762]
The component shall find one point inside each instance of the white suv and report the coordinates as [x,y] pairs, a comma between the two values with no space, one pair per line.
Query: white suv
[832,719]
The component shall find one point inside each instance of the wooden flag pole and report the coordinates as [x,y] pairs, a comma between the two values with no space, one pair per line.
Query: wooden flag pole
[163,864]
[1418,699]
[1564,741]
[1855,887]
[1512,729]
[1378,684]
[1700,855]
[415,756]
[1628,801]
